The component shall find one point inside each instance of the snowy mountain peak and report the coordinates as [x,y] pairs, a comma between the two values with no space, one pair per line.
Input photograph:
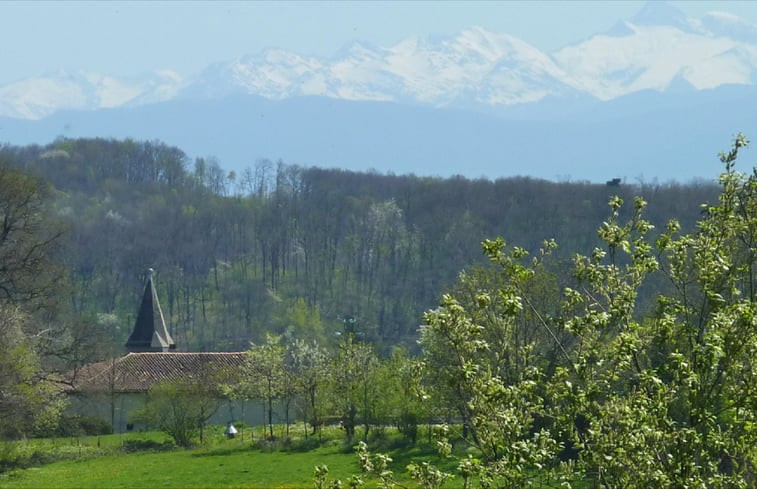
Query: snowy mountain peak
[659,48]
[39,97]
[656,12]
[729,25]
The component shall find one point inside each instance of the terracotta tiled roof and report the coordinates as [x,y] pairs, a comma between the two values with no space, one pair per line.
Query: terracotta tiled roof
[137,372]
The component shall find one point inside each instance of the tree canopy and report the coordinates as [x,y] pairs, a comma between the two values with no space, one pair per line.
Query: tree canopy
[291,250]
[29,282]
[596,386]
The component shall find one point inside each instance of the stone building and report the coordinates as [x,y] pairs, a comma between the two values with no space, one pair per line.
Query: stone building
[113,389]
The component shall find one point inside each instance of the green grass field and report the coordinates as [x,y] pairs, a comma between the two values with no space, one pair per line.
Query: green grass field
[235,467]
[219,463]
[145,460]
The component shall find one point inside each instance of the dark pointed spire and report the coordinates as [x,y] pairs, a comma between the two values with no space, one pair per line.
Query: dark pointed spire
[150,332]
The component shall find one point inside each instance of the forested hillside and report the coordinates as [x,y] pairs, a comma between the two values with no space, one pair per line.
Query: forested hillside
[293,250]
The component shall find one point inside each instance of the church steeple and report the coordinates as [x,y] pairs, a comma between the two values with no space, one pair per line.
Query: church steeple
[150,332]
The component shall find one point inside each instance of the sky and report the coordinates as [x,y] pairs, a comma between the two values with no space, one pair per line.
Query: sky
[134,38]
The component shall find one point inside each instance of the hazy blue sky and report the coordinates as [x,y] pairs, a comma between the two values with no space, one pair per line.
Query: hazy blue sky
[130,38]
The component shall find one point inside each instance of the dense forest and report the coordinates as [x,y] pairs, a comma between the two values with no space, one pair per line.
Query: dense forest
[279,248]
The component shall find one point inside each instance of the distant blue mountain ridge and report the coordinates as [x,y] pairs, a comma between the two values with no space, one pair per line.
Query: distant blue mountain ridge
[645,136]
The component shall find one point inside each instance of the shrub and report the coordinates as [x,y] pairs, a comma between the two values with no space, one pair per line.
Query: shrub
[93,425]
[407,424]
[80,426]
[14,455]
[131,446]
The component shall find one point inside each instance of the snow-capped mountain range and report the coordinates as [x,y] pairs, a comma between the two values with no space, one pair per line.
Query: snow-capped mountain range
[658,49]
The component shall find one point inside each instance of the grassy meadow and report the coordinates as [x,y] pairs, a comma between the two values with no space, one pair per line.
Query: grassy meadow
[145,460]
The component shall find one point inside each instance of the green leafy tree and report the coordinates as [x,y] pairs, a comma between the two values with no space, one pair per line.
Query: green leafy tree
[265,375]
[30,285]
[180,409]
[354,393]
[479,355]
[309,372]
[305,322]
[399,381]
[667,401]
[29,402]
